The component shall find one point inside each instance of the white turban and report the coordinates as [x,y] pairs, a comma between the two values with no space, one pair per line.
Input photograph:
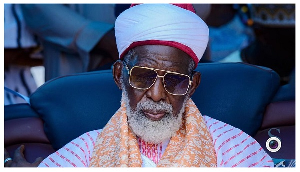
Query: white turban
[161,24]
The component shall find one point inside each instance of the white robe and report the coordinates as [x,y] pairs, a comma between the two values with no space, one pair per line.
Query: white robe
[233,147]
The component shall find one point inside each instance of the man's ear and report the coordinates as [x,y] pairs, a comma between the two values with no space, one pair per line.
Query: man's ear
[195,83]
[117,73]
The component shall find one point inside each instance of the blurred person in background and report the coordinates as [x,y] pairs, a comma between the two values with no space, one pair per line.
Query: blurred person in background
[274,44]
[75,37]
[21,52]
[227,32]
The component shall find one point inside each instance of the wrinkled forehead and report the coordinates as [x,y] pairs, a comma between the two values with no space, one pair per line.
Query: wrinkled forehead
[161,57]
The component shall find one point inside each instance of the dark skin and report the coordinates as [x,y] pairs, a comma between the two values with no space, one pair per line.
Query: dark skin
[154,56]
[159,57]
[19,159]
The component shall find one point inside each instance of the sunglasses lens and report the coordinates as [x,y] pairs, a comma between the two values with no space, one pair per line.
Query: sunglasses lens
[176,84]
[142,78]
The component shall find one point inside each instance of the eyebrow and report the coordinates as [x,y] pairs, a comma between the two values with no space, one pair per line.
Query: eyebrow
[152,61]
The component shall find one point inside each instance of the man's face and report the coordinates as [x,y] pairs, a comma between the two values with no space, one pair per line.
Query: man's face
[154,114]
[158,57]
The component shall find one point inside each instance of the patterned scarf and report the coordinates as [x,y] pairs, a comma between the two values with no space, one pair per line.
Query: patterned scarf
[192,146]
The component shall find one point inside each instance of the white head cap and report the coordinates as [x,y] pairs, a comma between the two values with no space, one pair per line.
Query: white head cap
[162,24]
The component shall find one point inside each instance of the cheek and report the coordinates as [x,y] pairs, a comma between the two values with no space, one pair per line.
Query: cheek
[177,103]
[135,96]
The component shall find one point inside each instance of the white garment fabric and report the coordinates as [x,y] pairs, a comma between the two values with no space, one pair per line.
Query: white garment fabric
[16,77]
[19,79]
[233,147]
[150,150]
[11,28]
[149,22]
[147,162]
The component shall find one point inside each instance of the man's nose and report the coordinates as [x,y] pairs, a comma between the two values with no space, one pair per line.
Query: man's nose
[157,92]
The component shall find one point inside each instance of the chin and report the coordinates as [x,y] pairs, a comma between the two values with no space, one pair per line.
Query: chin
[153,131]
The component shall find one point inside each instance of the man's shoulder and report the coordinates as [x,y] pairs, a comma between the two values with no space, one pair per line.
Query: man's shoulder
[234,147]
[220,130]
[210,122]
[91,135]
[93,132]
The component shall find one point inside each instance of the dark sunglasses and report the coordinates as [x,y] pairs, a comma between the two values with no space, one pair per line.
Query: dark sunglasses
[144,77]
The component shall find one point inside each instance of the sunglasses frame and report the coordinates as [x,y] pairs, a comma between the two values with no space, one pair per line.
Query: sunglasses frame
[158,76]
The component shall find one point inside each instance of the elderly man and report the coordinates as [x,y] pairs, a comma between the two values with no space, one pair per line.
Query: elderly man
[158,125]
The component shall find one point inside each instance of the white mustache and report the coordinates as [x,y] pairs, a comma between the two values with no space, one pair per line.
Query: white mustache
[148,130]
[154,106]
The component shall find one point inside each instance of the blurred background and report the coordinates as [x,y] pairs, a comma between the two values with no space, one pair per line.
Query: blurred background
[45,41]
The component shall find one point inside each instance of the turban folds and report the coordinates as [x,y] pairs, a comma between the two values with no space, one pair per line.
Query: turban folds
[161,24]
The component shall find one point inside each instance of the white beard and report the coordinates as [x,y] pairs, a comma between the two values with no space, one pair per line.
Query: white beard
[147,129]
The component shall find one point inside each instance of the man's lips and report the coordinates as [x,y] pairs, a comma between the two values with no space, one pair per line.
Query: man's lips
[155,116]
